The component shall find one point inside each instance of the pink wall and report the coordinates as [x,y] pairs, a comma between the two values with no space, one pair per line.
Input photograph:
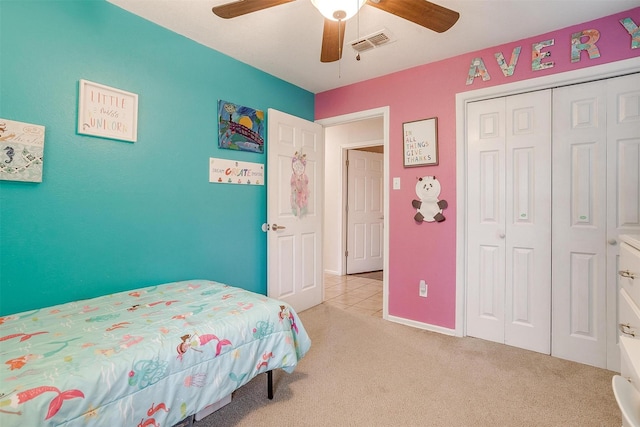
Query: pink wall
[427,251]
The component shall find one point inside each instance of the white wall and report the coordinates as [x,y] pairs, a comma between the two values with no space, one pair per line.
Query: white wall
[337,138]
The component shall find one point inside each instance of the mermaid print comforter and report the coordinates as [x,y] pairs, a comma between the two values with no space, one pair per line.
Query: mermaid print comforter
[148,357]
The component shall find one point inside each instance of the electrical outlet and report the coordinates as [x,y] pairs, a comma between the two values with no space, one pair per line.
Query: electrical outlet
[423,289]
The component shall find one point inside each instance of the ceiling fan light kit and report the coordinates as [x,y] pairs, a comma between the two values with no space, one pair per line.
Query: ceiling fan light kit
[338,10]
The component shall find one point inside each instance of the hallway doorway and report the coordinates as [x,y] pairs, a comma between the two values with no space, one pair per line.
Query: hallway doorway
[360,293]
[342,133]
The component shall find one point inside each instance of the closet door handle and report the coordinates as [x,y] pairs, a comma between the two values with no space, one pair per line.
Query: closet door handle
[628,274]
[276,227]
[625,328]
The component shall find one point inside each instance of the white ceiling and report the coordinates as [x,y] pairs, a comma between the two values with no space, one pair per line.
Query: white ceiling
[285,40]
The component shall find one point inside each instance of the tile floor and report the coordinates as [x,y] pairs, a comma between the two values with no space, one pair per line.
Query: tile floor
[354,293]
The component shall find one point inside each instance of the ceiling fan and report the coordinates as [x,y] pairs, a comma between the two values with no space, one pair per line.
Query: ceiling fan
[337,12]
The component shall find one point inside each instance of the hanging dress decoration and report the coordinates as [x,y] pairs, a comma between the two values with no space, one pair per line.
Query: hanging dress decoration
[299,185]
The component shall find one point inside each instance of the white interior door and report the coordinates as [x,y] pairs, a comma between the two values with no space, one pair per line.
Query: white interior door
[580,223]
[596,198]
[365,211]
[486,219]
[509,220]
[294,210]
[528,221]
[623,189]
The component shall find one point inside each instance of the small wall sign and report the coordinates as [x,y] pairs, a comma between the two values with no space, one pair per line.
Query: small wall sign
[225,171]
[107,112]
[420,142]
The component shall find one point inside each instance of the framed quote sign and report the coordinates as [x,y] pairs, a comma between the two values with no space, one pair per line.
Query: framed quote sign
[107,112]
[420,142]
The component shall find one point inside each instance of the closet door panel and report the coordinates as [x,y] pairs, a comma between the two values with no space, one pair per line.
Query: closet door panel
[490,303]
[584,187]
[523,186]
[490,201]
[528,221]
[623,135]
[509,219]
[579,223]
[583,289]
[628,177]
[486,232]
[523,287]
[623,188]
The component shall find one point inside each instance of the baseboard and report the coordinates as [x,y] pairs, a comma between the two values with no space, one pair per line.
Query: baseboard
[420,325]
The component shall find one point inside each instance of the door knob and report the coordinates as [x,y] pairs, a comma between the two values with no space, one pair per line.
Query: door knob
[612,241]
[276,227]
[501,235]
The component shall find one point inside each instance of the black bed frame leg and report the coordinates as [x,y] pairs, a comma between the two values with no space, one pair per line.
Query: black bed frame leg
[270,385]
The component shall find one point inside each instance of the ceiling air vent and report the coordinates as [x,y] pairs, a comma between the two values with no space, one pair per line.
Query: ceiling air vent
[371,41]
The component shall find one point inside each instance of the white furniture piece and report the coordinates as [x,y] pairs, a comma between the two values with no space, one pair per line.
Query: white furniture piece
[628,398]
[626,386]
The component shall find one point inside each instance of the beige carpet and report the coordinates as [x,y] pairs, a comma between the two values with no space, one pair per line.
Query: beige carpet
[364,371]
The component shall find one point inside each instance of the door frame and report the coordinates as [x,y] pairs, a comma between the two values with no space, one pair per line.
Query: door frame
[358,116]
[582,75]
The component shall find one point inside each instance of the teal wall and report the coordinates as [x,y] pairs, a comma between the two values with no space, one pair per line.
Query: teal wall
[112,215]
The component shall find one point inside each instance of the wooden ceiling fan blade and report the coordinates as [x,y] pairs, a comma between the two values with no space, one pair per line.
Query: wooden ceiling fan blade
[242,7]
[332,40]
[421,12]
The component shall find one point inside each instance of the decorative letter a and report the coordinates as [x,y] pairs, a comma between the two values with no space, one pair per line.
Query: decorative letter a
[477,69]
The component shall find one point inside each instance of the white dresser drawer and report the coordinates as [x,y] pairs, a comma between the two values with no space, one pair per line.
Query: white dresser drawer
[629,268]
[628,316]
[630,367]
[628,393]
[629,397]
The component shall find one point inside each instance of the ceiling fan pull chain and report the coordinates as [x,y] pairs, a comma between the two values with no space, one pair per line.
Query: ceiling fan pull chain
[358,38]
[339,50]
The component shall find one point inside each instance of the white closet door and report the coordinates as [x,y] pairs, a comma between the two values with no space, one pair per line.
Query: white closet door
[486,219]
[595,194]
[509,221]
[579,223]
[596,198]
[623,188]
[528,221]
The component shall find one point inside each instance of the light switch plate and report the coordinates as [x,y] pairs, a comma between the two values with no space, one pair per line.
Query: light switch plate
[396,183]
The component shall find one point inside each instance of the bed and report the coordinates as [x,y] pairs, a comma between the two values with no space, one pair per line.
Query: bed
[147,357]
